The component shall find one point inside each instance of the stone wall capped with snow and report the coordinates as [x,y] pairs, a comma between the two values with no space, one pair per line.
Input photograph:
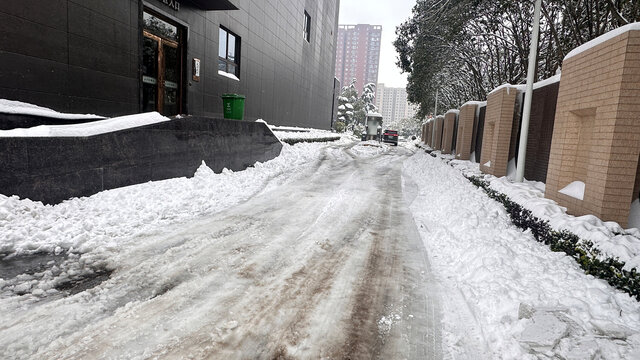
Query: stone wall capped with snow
[596,136]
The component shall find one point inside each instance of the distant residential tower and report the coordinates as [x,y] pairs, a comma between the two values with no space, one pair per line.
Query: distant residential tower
[358,54]
[392,103]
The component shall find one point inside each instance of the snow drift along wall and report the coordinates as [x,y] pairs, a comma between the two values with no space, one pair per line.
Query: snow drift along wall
[52,169]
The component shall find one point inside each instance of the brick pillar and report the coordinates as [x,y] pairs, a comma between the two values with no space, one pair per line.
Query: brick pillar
[497,137]
[466,120]
[596,135]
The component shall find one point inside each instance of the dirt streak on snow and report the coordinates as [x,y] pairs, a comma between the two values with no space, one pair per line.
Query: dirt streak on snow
[306,268]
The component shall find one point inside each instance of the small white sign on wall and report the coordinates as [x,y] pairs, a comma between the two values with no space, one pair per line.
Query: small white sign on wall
[196,69]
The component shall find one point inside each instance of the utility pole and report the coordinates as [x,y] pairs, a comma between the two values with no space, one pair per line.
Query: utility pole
[435,114]
[526,111]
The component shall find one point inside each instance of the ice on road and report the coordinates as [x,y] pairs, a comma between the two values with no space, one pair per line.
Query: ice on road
[341,250]
[329,265]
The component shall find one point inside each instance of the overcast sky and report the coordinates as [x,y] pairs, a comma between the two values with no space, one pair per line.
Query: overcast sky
[389,14]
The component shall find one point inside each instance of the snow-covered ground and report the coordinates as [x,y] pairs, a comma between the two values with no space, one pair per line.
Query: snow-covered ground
[94,228]
[609,237]
[331,250]
[508,296]
[314,256]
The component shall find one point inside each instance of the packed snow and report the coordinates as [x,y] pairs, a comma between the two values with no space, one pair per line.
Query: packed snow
[21,108]
[575,189]
[501,294]
[89,128]
[304,259]
[542,83]
[508,86]
[602,38]
[228,75]
[370,148]
[477,103]
[607,236]
[100,223]
[289,132]
[508,296]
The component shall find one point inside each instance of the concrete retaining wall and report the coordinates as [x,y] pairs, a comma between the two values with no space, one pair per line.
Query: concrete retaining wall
[52,169]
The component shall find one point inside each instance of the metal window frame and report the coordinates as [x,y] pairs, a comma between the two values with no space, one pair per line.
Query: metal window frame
[225,59]
[307,26]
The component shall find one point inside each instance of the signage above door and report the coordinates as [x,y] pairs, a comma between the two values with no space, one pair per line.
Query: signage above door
[174,4]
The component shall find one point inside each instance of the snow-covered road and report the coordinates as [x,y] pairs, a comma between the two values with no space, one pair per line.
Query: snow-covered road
[327,266]
[331,250]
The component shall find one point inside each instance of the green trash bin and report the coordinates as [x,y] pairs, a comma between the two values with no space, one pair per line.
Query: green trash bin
[233,105]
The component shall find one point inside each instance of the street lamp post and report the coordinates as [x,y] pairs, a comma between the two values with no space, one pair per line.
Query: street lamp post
[435,114]
[526,111]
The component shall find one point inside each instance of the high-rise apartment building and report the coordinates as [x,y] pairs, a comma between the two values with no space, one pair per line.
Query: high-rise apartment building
[358,54]
[392,103]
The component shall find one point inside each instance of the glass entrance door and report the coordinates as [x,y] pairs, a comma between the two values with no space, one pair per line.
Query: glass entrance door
[162,67]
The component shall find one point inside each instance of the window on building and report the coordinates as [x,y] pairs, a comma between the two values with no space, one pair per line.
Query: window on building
[307,26]
[229,53]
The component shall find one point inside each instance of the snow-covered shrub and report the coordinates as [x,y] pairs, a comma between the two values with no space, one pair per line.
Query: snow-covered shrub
[590,258]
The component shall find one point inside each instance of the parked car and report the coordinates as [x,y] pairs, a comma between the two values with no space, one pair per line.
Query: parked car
[390,136]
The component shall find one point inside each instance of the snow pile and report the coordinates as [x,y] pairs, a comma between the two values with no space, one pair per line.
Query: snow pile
[467,168]
[506,296]
[102,222]
[21,108]
[607,236]
[285,133]
[369,148]
[89,128]
[575,189]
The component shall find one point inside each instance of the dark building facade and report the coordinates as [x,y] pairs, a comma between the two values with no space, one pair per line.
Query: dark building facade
[177,57]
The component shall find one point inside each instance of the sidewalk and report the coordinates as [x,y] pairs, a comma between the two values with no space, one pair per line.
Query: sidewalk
[504,294]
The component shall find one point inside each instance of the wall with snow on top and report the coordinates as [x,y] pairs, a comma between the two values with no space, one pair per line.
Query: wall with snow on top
[51,164]
[596,136]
